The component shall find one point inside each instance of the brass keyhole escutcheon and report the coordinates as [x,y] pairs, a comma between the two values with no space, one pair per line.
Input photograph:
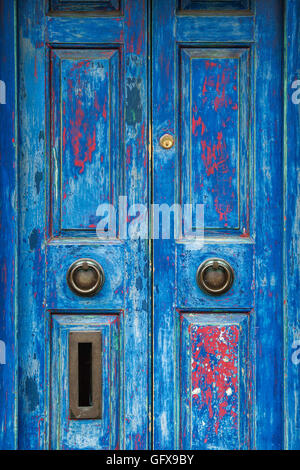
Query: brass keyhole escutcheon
[85,277]
[215,276]
[166,141]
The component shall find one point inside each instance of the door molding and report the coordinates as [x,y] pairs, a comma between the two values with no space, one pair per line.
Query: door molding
[9,227]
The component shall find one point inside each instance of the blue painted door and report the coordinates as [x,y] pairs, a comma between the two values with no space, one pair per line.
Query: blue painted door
[83,124]
[218,360]
[98,88]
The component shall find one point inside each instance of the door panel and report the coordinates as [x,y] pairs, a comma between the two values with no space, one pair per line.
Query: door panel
[79,149]
[214,381]
[85,121]
[91,6]
[213,76]
[68,433]
[214,91]
[239,256]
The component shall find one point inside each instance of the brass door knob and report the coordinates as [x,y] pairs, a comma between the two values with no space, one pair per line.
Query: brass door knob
[166,141]
[215,276]
[85,277]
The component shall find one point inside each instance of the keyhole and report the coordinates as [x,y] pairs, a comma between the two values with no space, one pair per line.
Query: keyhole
[166,141]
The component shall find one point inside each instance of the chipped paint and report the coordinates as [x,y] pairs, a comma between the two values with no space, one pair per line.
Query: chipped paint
[215,369]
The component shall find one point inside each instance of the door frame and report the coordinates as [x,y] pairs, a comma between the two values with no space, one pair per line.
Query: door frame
[9,226]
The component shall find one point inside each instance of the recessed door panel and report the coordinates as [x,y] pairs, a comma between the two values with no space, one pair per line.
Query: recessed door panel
[214,381]
[85,126]
[97,425]
[79,6]
[220,5]
[214,160]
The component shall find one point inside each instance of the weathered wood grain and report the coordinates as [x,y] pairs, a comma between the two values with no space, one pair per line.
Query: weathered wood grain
[292,227]
[268,231]
[92,7]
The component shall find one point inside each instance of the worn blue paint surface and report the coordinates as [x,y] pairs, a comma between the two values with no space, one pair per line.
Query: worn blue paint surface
[202,372]
[166,352]
[66,433]
[221,6]
[92,6]
[214,367]
[292,221]
[85,91]
[215,110]
[8,229]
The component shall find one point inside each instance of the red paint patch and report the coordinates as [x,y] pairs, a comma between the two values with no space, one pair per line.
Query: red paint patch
[104,112]
[215,373]
[91,146]
[197,123]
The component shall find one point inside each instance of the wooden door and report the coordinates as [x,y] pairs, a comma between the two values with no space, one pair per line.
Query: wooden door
[217,70]
[83,117]
[149,106]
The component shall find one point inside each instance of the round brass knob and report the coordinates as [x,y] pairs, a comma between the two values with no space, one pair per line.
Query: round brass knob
[215,276]
[166,141]
[85,277]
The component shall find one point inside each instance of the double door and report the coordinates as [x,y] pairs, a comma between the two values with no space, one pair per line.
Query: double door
[150,193]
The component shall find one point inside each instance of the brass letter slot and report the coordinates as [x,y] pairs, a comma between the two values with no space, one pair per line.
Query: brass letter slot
[85,375]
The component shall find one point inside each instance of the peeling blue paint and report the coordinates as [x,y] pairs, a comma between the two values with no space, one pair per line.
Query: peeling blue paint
[34,238]
[133,101]
[32,393]
[38,178]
